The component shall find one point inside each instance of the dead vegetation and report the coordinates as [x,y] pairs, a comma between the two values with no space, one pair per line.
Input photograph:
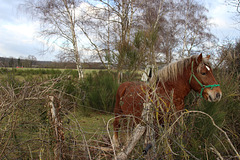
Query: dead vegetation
[31,128]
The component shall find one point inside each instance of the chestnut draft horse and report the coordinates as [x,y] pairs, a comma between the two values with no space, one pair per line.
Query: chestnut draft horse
[177,78]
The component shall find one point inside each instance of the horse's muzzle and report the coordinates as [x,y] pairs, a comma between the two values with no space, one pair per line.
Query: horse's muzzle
[214,96]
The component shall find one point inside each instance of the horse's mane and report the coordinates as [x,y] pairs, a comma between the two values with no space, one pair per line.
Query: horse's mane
[171,71]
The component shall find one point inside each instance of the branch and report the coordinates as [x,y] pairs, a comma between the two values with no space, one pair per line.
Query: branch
[95,46]
[220,129]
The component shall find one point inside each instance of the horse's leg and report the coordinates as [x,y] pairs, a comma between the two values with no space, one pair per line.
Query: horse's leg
[116,127]
[116,123]
[119,112]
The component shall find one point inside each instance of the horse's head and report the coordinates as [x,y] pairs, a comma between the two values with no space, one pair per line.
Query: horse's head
[202,80]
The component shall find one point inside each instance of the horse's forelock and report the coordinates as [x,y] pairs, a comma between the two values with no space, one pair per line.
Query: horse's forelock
[206,62]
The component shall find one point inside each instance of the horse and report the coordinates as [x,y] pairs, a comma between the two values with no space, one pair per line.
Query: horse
[179,78]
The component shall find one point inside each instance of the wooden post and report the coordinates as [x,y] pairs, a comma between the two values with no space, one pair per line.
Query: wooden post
[57,125]
[150,136]
[136,135]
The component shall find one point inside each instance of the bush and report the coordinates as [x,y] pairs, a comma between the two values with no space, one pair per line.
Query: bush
[101,89]
[201,135]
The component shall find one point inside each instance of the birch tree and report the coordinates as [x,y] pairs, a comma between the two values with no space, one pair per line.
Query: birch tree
[127,33]
[113,25]
[194,35]
[181,28]
[58,25]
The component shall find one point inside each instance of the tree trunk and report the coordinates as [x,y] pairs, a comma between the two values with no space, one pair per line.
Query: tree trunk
[74,41]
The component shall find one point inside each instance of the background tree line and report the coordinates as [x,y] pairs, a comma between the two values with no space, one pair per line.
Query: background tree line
[29,61]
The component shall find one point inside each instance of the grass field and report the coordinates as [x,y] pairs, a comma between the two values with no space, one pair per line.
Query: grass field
[84,70]
[22,74]
[94,123]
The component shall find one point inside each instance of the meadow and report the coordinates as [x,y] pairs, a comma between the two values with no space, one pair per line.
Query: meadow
[85,111]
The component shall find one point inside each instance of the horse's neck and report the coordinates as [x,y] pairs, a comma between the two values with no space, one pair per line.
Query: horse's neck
[180,86]
[175,90]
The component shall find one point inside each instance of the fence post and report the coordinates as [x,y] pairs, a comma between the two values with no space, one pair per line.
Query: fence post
[57,127]
[136,135]
[150,134]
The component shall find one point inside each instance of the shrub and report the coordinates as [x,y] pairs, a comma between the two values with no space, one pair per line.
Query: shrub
[100,89]
[201,135]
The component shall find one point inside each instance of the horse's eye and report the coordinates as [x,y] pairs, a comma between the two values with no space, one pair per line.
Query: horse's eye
[203,73]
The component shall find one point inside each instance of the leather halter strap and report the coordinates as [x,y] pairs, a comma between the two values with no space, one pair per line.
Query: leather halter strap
[202,85]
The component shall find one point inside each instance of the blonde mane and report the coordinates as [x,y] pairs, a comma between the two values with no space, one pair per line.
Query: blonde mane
[171,71]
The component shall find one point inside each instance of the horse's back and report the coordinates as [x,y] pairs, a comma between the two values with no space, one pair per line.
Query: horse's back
[130,87]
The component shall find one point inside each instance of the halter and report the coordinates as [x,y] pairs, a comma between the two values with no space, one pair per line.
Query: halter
[203,86]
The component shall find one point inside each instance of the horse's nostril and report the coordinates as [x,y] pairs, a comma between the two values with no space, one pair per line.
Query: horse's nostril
[210,98]
[218,95]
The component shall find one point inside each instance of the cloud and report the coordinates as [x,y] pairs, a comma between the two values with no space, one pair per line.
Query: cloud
[19,40]
[18,34]
[221,16]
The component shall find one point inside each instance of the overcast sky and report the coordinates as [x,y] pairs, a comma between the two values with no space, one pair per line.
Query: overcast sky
[18,33]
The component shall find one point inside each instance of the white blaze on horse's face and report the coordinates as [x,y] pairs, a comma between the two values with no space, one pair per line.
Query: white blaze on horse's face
[208,68]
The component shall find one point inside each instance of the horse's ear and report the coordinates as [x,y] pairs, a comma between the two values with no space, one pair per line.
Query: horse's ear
[208,57]
[199,58]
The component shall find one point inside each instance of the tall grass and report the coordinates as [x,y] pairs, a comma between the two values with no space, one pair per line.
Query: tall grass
[26,132]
